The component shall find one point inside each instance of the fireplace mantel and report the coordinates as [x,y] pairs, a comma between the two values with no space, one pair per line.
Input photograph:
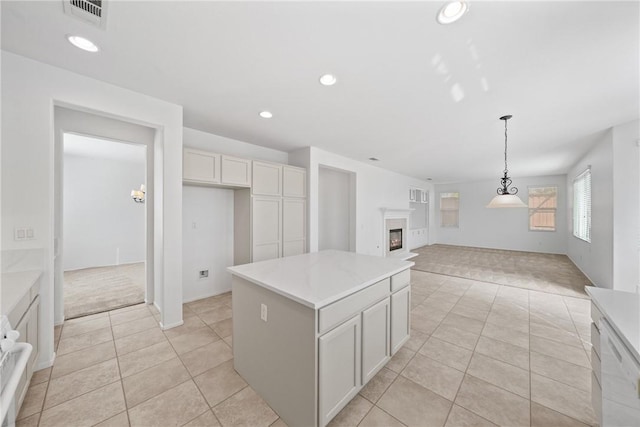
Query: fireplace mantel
[396,213]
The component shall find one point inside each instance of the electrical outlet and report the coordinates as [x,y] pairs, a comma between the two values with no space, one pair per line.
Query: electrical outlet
[263,312]
[204,273]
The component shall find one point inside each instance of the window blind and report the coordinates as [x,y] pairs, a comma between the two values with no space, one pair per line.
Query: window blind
[582,206]
[449,209]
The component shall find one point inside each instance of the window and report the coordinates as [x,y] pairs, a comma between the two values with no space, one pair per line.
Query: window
[449,209]
[582,206]
[543,202]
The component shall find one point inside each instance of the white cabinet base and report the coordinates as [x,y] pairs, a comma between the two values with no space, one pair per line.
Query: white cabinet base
[307,363]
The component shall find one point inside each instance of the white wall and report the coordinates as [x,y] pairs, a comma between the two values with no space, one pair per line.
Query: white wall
[626,206]
[102,224]
[30,90]
[334,216]
[375,188]
[208,240]
[611,259]
[501,228]
[595,259]
[210,244]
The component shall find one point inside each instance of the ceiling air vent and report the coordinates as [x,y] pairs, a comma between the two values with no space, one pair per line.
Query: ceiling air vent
[90,11]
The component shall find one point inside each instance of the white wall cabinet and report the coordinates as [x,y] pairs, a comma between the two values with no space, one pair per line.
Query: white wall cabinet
[200,167]
[267,179]
[339,368]
[268,225]
[294,182]
[235,171]
[418,195]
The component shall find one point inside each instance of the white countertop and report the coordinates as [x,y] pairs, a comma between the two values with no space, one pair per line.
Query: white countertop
[622,310]
[14,287]
[318,279]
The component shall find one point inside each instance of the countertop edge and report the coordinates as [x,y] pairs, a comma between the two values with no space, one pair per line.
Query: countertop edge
[597,300]
[30,277]
[326,301]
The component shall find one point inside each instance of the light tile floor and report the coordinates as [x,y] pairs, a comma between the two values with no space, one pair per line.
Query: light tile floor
[480,354]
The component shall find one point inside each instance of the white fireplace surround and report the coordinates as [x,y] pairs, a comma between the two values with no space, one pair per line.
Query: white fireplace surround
[393,218]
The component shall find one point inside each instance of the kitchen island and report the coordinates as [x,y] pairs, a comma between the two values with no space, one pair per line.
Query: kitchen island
[309,331]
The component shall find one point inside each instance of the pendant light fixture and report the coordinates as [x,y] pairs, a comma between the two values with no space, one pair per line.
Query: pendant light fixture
[506,197]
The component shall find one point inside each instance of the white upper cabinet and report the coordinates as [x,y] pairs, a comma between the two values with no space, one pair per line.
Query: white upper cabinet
[294,182]
[235,171]
[201,166]
[267,179]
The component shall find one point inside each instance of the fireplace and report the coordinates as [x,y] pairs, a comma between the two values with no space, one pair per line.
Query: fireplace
[395,226]
[395,239]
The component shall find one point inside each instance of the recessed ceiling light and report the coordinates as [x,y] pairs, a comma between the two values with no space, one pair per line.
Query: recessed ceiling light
[373,159]
[429,179]
[82,43]
[452,11]
[266,114]
[328,80]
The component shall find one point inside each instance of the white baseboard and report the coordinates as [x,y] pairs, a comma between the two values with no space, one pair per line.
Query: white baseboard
[46,364]
[585,274]
[172,325]
[207,295]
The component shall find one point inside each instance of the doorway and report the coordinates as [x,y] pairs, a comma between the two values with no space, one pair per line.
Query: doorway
[103,225]
[336,209]
[86,203]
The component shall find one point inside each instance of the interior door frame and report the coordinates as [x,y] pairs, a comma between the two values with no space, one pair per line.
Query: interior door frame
[93,131]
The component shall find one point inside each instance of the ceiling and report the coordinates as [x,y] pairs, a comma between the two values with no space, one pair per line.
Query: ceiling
[86,146]
[422,97]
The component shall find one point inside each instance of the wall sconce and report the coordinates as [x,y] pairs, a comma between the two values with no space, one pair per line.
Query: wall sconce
[138,195]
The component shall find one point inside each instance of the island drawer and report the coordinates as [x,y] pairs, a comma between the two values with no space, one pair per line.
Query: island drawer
[596,314]
[336,313]
[400,280]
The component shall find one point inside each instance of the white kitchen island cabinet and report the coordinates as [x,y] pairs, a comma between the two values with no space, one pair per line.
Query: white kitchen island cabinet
[309,331]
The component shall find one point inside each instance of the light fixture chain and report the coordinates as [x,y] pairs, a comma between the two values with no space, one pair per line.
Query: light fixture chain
[506,170]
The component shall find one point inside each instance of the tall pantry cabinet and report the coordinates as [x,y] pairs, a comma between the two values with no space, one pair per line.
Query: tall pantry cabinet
[270,217]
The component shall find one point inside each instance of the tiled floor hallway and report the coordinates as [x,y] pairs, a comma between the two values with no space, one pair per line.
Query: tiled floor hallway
[481,354]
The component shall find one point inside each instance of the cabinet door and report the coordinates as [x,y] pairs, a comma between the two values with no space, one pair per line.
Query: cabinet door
[400,310]
[425,197]
[201,166]
[265,228]
[294,226]
[412,195]
[267,179]
[376,339]
[338,368]
[294,182]
[235,171]
[32,335]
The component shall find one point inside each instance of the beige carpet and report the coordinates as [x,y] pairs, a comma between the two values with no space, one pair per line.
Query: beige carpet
[528,270]
[93,290]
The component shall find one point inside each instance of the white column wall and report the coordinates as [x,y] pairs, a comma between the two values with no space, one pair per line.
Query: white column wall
[30,90]
[375,188]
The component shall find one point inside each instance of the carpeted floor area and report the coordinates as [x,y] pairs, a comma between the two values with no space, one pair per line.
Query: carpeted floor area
[528,270]
[94,290]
